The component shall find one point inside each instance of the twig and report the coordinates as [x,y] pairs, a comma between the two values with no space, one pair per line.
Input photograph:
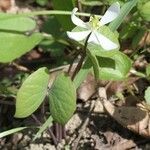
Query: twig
[76,141]
[20,67]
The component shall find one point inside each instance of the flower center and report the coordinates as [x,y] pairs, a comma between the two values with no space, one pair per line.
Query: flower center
[94,22]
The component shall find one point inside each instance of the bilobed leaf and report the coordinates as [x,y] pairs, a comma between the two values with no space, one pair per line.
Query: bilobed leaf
[48,123]
[147,95]
[32,93]
[13,45]
[115,67]
[62,99]
[66,5]
[16,23]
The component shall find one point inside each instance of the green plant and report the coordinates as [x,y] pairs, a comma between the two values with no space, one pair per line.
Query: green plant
[100,53]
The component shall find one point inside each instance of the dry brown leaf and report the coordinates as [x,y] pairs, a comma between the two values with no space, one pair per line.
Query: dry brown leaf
[119,86]
[131,100]
[5,4]
[87,88]
[124,145]
[136,119]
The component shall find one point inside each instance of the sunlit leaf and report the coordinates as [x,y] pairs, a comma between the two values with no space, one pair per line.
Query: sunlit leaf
[115,67]
[11,131]
[16,23]
[13,45]
[32,93]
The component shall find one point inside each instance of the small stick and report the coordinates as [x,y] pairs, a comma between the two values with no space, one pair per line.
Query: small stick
[20,67]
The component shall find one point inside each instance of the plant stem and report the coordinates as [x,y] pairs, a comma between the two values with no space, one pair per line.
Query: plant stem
[79,65]
[49,130]
[50,12]
[96,64]
[70,66]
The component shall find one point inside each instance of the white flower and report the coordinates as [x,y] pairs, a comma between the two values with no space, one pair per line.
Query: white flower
[92,26]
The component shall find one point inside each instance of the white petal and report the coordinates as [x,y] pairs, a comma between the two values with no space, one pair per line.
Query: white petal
[101,40]
[111,14]
[78,36]
[77,21]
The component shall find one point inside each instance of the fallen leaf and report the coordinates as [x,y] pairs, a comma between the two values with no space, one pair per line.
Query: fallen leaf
[87,88]
[5,4]
[136,119]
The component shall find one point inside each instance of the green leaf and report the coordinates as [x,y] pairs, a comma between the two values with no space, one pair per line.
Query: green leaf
[16,23]
[74,2]
[52,26]
[82,73]
[66,5]
[48,123]
[42,2]
[52,44]
[11,131]
[123,63]
[147,95]
[32,93]
[114,65]
[62,99]
[145,11]
[127,7]
[14,45]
